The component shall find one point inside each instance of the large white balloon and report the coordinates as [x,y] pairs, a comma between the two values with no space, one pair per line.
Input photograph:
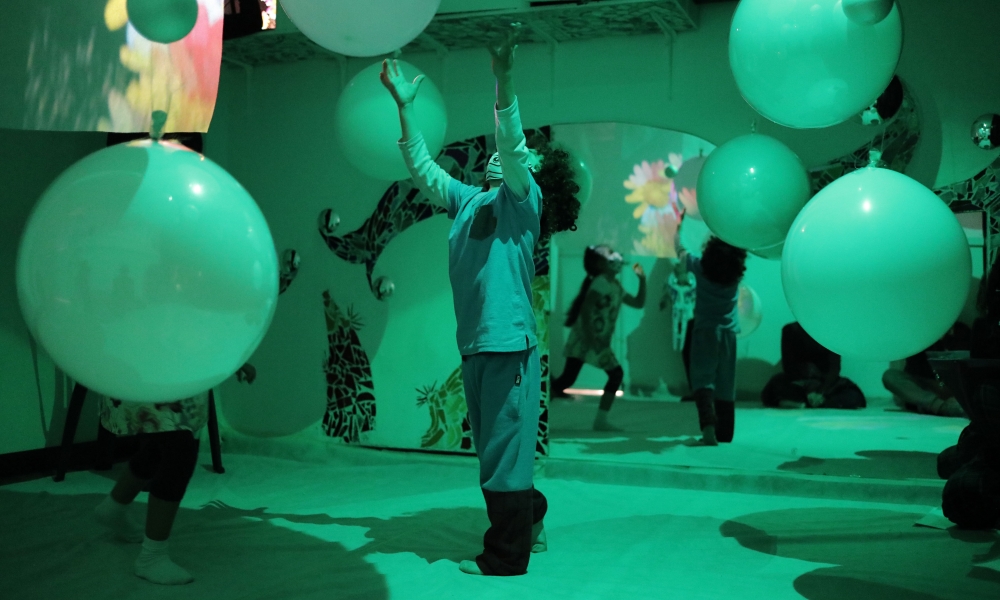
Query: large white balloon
[876,266]
[368,122]
[583,178]
[749,310]
[750,190]
[867,12]
[147,272]
[361,27]
[163,21]
[804,64]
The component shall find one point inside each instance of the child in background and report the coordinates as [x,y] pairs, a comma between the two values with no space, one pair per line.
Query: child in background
[713,340]
[592,317]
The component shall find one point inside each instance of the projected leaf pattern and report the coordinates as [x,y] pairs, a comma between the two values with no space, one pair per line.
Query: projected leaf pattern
[450,428]
[350,392]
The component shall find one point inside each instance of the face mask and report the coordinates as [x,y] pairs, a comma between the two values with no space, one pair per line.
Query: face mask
[494,170]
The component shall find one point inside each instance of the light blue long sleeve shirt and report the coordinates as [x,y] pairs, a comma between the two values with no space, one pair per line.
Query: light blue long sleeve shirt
[491,241]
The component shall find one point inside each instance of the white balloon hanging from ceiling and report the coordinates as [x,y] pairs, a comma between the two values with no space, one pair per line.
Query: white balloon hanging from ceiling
[876,266]
[147,272]
[806,64]
[750,189]
[368,122]
[163,21]
[867,12]
[361,28]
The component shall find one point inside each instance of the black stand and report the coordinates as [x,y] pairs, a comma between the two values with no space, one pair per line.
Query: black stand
[105,439]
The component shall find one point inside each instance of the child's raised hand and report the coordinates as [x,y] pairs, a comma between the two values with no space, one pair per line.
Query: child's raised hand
[403,91]
[502,51]
[638,270]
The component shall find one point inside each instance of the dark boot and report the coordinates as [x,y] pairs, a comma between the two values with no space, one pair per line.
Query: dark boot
[706,416]
[507,543]
[725,413]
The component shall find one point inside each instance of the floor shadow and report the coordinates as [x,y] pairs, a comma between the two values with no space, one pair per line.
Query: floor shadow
[575,419]
[872,464]
[878,554]
[634,444]
[50,542]
[453,534]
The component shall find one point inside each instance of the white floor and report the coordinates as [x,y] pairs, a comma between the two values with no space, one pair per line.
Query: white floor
[880,441]
[365,524]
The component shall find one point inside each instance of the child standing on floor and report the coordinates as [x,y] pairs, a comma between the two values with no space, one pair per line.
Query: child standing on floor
[713,340]
[165,462]
[592,317]
[491,266]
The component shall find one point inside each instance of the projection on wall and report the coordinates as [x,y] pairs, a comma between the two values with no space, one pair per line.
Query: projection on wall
[81,66]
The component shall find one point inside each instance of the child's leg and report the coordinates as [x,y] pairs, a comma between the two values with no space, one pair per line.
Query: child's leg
[917,394]
[570,372]
[725,388]
[704,365]
[509,395]
[179,451]
[615,377]
[113,512]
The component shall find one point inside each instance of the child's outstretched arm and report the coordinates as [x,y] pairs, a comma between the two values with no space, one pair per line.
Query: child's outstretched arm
[430,178]
[511,144]
[639,300]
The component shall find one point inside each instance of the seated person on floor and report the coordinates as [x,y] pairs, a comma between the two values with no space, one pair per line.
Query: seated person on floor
[810,376]
[915,386]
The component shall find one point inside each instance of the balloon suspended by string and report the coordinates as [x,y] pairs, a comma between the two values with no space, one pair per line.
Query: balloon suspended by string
[806,65]
[368,122]
[876,266]
[163,21]
[751,189]
[583,177]
[749,310]
[368,28]
[147,272]
[867,12]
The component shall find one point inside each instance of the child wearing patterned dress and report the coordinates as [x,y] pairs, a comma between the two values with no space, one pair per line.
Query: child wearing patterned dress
[592,317]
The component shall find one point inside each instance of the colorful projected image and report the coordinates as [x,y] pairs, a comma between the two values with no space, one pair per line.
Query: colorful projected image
[659,171]
[269,12]
[663,192]
[180,78]
[80,66]
[658,209]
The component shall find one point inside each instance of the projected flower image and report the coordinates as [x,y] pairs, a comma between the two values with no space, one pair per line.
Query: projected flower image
[658,208]
[181,78]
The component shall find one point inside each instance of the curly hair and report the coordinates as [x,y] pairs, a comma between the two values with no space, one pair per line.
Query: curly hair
[560,206]
[593,264]
[723,263]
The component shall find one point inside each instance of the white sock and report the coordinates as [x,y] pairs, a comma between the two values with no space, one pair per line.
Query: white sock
[470,567]
[539,541]
[120,520]
[154,564]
